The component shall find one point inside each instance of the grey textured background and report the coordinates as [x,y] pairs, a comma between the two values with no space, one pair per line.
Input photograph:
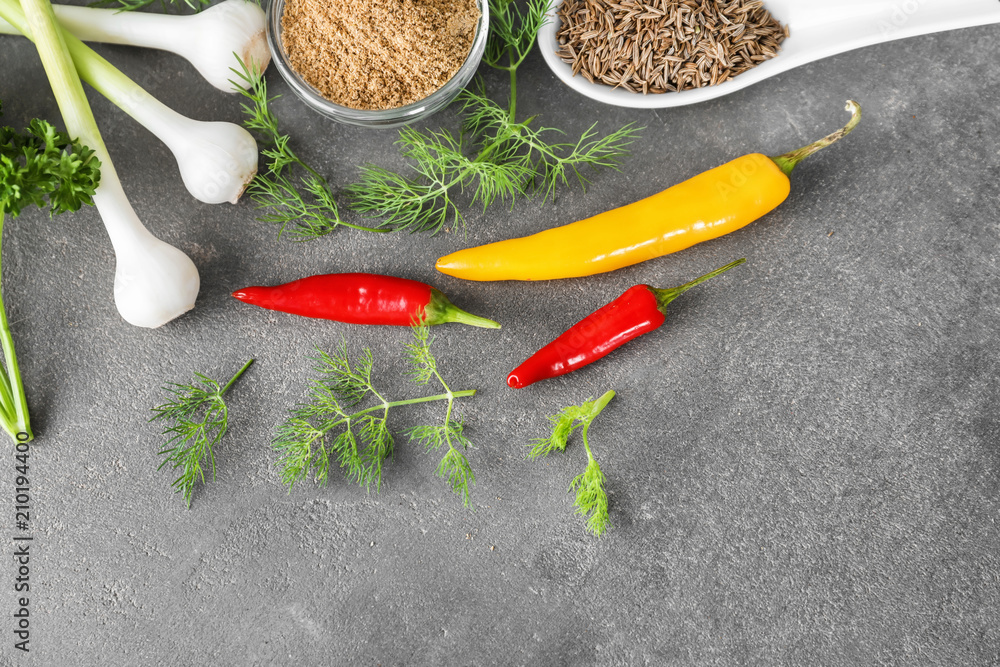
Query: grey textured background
[802,463]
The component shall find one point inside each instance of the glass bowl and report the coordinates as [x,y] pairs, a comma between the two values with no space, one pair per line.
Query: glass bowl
[403,115]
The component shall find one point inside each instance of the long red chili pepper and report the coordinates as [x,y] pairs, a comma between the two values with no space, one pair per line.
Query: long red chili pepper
[362,298]
[639,310]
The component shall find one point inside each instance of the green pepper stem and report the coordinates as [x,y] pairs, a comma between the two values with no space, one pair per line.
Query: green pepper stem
[790,160]
[665,296]
[440,310]
[463,317]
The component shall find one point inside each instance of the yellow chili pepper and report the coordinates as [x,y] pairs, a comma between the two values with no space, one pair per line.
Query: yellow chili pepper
[705,207]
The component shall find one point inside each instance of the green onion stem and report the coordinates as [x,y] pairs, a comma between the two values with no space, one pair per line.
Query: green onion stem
[13,403]
[35,19]
[82,63]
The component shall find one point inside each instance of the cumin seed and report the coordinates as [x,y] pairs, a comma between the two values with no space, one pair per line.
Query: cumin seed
[666,45]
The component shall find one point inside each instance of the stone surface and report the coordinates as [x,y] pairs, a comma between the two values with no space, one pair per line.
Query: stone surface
[803,463]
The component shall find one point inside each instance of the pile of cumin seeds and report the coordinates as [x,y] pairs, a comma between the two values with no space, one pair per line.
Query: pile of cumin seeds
[659,46]
[378,54]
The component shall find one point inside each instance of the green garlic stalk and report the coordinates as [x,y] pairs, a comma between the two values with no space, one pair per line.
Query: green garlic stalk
[216,160]
[214,41]
[154,281]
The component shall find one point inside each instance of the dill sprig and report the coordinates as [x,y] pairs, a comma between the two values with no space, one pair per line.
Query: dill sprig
[331,429]
[454,465]
[199,419]
[513,31]
[548,162]
[291,194]
[442,170]
[495,157]
[591,497]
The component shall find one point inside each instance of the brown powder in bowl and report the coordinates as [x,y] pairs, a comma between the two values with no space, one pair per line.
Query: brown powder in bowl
[378,54]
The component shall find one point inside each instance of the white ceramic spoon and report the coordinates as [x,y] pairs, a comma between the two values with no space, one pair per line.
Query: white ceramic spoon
[818,29]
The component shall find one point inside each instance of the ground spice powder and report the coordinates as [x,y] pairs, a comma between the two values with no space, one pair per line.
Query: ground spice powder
[378,54]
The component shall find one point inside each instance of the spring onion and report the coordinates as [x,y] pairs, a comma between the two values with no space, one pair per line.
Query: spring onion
[214,41]
[216,160]
[154,281]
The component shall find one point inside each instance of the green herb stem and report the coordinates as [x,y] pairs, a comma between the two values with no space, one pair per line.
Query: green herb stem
[388,405]
[596,410]
[232,380]
[13,403]
[512,113]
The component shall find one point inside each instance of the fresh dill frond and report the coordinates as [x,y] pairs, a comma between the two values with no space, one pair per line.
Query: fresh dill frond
[426,201]
[591,497]
[454,466]
[563,424]
[495,157]
[423,363]
[362,443]
[291,194]
[550,163]
[513,31]
[330,427]
[199,419]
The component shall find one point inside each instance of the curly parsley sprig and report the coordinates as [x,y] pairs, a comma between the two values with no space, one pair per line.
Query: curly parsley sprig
[591,496]
[330,429]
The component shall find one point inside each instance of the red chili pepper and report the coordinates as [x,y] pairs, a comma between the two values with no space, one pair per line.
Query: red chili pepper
[362,298]
[639,310]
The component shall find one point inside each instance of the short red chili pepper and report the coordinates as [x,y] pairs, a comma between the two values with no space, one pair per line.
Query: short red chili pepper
[638,311]
[362,298]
